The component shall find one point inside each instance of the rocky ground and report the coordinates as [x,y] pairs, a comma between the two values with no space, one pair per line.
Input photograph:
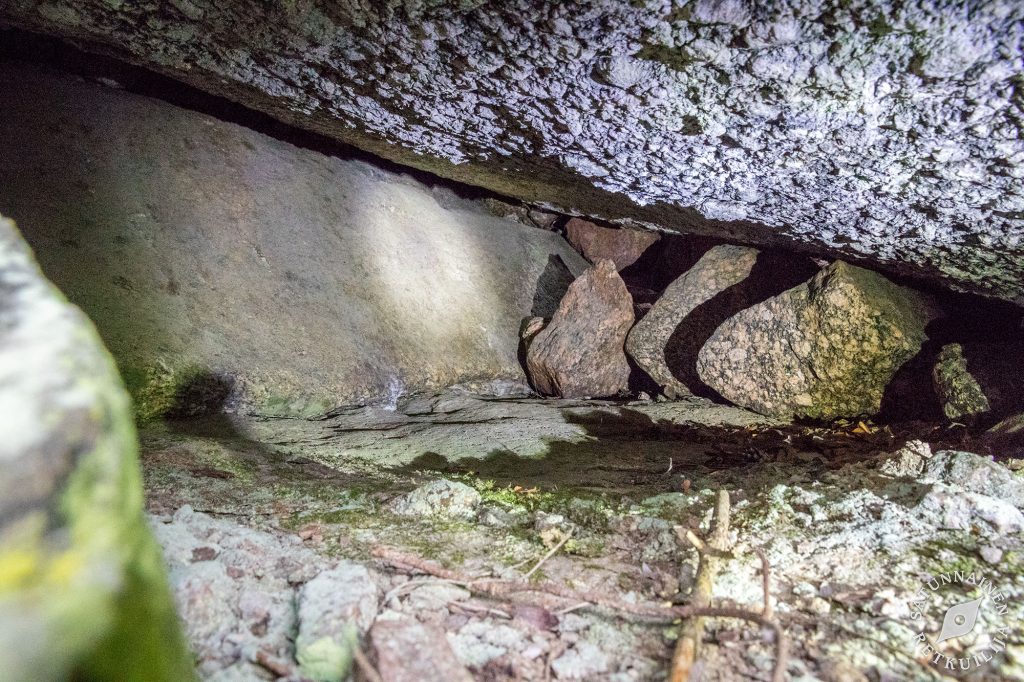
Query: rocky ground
[293,544]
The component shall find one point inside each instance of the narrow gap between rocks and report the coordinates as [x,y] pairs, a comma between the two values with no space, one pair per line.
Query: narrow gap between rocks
[361,392]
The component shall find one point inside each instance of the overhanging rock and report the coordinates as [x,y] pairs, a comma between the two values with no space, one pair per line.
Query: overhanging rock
[889,132]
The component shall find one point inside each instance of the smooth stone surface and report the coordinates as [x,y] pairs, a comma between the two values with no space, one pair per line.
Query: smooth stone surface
[220,264]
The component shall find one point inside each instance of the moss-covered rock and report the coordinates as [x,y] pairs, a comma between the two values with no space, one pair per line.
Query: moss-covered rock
[824,349]
[958,390]
[82,587]
[973,380]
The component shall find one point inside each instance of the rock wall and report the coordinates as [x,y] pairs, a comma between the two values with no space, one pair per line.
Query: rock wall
[218,262]
[886,131]
[82,588]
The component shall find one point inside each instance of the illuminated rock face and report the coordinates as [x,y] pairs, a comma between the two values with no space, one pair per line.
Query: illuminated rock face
[884,131]
[221,264]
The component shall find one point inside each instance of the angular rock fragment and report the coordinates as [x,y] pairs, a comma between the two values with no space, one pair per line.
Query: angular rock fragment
[580,352]
[408,651]
[975,379]
[976,474]
[719,269]
[622,247]
[824,349]
[335,607]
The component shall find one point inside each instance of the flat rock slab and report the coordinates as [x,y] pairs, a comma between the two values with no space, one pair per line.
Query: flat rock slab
[290,280]
[799,122]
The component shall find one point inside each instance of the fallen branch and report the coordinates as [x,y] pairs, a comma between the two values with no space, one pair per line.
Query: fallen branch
[687,651]
[502,589]
[713,553]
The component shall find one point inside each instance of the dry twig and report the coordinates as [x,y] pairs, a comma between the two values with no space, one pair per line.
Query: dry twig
[365,667]
[685,660]
[547,556]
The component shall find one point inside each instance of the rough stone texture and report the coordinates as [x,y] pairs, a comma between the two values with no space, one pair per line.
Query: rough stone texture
[580,352]
[958,391]
[887,130]
[824,349]
[82,591]
[976,474]
[236,590]
[335,609]
[622,247]
[439,498]
[218,262]
[719,269]
[408,651]
[975,379]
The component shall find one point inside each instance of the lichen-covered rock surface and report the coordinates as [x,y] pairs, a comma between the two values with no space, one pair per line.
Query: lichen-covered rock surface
[884,130]
[975,380]
[220,264]
[579,354]
[83,594]
[856,527]
[825,349]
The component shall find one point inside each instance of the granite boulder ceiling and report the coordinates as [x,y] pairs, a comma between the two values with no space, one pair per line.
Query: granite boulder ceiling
[887,132]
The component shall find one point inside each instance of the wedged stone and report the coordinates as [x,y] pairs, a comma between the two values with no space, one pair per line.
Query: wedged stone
[622,247]
[824,349]
[975,379]
[335,608]
[408,651]
[528,330]
[647,343]
[83,594]
[580,352]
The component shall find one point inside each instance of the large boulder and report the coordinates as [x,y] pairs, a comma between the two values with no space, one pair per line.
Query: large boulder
[580,352]
[819,123]
[824,349]
[622,247]
[221,264]
[973,380]
[82,588]
[665,342]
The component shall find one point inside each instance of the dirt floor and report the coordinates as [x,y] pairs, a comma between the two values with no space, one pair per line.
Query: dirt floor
[417,508]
